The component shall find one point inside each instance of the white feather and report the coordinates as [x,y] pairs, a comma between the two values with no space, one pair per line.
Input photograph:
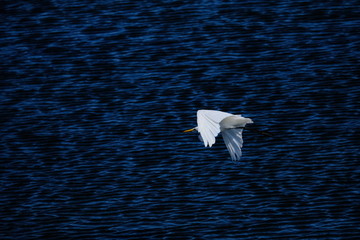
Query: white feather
[208,124]
[233,141]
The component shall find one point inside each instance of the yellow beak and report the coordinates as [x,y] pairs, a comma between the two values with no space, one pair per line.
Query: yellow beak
[189,130]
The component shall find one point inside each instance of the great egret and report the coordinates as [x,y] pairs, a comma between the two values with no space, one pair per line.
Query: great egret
[211,123]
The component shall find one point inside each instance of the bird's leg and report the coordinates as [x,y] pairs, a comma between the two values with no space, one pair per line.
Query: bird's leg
[258,131]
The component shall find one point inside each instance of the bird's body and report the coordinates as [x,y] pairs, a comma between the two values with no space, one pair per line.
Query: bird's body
[235,121]
[211,123]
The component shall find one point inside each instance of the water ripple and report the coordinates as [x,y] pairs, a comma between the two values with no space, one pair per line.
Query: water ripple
[95,97]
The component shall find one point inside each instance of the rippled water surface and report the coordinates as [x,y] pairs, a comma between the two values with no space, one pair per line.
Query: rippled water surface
[95,95]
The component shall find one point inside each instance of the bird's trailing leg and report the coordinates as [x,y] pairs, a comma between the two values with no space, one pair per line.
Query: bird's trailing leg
[258,131]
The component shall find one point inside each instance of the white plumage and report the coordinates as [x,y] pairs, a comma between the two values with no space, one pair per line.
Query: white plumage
[211,123]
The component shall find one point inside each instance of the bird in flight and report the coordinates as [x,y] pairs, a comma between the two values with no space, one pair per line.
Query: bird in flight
[211,123]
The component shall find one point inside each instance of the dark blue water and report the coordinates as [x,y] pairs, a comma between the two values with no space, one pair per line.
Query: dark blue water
[95,95]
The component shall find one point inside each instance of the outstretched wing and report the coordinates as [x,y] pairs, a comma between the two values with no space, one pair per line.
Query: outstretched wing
[234,142]
[208,124]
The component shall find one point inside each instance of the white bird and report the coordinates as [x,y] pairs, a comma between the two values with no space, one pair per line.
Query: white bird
[211,123]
